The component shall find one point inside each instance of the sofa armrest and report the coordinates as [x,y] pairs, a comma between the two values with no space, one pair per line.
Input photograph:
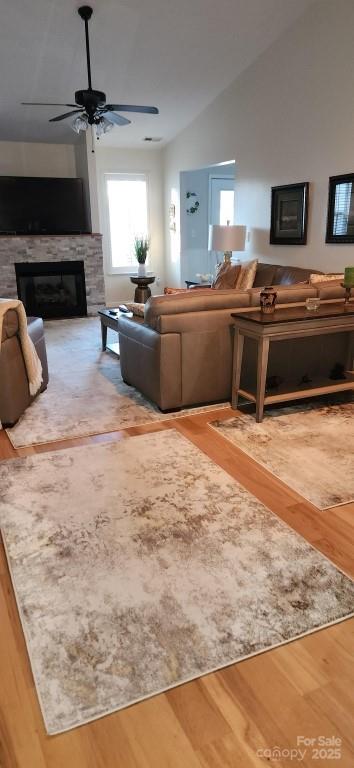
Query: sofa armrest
[137,329]
[151,362]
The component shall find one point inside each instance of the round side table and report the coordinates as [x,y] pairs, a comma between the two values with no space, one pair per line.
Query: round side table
[142,290]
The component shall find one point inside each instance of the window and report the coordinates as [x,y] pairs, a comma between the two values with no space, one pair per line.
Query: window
[128,217]
[342,204]
[226,206]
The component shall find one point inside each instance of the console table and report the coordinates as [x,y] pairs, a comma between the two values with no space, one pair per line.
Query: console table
[290,323]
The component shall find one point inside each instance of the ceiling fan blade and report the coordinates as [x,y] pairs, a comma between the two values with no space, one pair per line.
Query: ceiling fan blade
[116,119]
[45,104]
[63,117]
[132,108]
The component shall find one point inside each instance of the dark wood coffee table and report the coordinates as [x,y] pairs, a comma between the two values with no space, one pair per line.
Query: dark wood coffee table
[109,319]
[290,323]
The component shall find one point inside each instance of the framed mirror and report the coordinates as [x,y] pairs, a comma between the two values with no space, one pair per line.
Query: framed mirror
[340,217]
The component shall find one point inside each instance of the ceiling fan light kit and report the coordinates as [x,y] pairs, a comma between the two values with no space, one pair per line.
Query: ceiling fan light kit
[90,105]
[80,123]
[104,126]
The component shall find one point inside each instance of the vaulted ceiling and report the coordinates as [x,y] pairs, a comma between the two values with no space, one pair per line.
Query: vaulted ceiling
[176,54]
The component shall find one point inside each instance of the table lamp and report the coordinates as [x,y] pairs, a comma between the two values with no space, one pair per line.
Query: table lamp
[227,238]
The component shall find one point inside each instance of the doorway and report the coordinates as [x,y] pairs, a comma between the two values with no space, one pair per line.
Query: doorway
[207,197]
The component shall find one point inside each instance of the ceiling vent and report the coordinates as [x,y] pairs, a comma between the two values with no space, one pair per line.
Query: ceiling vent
[152,138]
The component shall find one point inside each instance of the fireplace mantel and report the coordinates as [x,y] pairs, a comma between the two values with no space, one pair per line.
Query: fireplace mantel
[36,248]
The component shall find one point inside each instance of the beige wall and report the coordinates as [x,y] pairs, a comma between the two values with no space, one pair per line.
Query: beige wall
[113,160]
[33,159]
[288,118]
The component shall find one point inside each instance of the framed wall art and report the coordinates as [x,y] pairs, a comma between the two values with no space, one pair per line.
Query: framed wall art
[289,207]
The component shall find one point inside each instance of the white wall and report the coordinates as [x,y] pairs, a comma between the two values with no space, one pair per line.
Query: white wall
[82,171]
[113,160]
[33,159]
[288,118]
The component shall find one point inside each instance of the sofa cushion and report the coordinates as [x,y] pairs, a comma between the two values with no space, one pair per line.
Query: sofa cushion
[227,275]
[247,275]
[264,275]
[328,278]
[169,291]
[277,274]
[291,275]
[136,307]
[192,289]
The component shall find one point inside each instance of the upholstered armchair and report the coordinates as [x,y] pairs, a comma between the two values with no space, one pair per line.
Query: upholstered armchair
[14,390]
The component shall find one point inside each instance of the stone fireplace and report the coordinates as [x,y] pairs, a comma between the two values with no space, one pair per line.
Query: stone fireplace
[56,250]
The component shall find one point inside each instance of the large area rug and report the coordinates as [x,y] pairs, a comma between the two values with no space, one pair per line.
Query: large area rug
[140,565]
[309,447]
[86,394]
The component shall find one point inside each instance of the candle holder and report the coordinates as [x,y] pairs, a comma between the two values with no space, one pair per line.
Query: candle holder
[348,289]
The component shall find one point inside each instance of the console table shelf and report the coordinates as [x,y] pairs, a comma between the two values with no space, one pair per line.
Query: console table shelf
[295,391]
[290,323]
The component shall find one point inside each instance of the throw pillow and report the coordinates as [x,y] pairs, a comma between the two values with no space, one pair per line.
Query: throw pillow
[185,292]
[227,275]
[247,275]
[136,308]
[168,290]
[325,278]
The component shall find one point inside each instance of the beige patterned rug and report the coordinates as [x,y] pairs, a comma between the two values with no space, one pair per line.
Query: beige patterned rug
[86,394]
[309,447]
[140,565]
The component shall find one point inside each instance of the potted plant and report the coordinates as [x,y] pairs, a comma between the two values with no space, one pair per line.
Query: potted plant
[141,246]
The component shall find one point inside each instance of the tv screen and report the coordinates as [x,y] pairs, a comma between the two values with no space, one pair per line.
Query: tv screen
[39,206]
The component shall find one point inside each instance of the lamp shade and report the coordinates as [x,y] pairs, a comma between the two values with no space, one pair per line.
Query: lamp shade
[227,238]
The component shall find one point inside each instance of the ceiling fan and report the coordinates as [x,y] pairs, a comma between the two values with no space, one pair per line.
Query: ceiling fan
[90,106]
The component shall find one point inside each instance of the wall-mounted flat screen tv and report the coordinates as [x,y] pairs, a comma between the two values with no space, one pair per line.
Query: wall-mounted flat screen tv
[42,206]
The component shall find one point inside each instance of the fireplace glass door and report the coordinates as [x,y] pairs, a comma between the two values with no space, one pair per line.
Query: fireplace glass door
[52,289]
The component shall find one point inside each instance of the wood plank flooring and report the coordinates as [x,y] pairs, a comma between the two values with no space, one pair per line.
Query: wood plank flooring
[230,719]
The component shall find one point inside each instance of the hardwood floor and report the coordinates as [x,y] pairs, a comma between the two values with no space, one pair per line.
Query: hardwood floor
[230,719]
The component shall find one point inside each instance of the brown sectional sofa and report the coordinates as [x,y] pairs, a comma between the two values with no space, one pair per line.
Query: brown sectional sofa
[14,390]
[180,354]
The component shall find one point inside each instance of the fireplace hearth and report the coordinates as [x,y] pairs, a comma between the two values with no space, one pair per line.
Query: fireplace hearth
[52,289]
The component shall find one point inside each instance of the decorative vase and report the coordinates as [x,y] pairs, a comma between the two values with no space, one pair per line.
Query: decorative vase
[267,299]
[142,270]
